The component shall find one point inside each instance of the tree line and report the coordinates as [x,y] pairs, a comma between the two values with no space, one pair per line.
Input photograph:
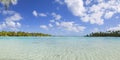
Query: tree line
[104,34]
[19,33]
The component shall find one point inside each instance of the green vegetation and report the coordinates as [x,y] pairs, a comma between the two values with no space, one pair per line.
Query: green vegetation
[11,33]
[105,34]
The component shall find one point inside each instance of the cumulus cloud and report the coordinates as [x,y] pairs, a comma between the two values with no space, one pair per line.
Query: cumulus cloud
[50,25]
[59,1]
[117,28]
[88,2]
[8,12]
[71,26]
[42,14]
[76,6]
[12,21]
[97,12]
[108,15]
[18,24]
[44,27]
[52,21]
[57,23]
[95,30]
[56,16]
[2,26]
[67,26]
[15,17]
[35,13]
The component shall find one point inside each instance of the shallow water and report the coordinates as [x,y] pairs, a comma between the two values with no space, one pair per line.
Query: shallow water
[59,48]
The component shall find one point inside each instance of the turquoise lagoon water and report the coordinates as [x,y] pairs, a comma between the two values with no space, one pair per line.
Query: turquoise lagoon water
[59,48]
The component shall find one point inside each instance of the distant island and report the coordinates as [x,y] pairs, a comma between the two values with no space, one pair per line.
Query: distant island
[19,33]
[105,34]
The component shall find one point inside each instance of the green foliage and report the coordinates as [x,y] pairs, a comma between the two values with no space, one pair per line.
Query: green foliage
[105,34]
[11,33]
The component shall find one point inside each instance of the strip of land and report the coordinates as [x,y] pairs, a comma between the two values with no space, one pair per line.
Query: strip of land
[12,33]
[105,34]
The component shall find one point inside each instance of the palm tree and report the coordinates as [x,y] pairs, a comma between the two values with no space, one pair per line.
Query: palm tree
[10,33]
[108,33]
[7,3]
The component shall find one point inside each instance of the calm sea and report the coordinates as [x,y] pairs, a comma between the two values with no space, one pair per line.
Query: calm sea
[59,48]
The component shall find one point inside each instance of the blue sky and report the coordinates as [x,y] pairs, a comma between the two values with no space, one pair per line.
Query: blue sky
[61,17]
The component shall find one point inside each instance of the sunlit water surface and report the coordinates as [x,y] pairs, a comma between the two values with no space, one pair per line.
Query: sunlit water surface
[59,48]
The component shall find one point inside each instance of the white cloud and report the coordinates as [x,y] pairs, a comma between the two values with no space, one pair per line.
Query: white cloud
[15,17]
[44,27]
[42,15]
[35,13]
[76,6]
[18,24]
[2,26]
[52,21]
[59,1]
[71,26]
[12,21]
[56,16]
[108,15]
[88,2]
[95,14]
[9,12]
[114,28]
[57,23]
[95,30]
[67,26]
[11,24]
[50,25]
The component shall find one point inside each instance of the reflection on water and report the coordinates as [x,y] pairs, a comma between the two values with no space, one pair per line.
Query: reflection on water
[59,48]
